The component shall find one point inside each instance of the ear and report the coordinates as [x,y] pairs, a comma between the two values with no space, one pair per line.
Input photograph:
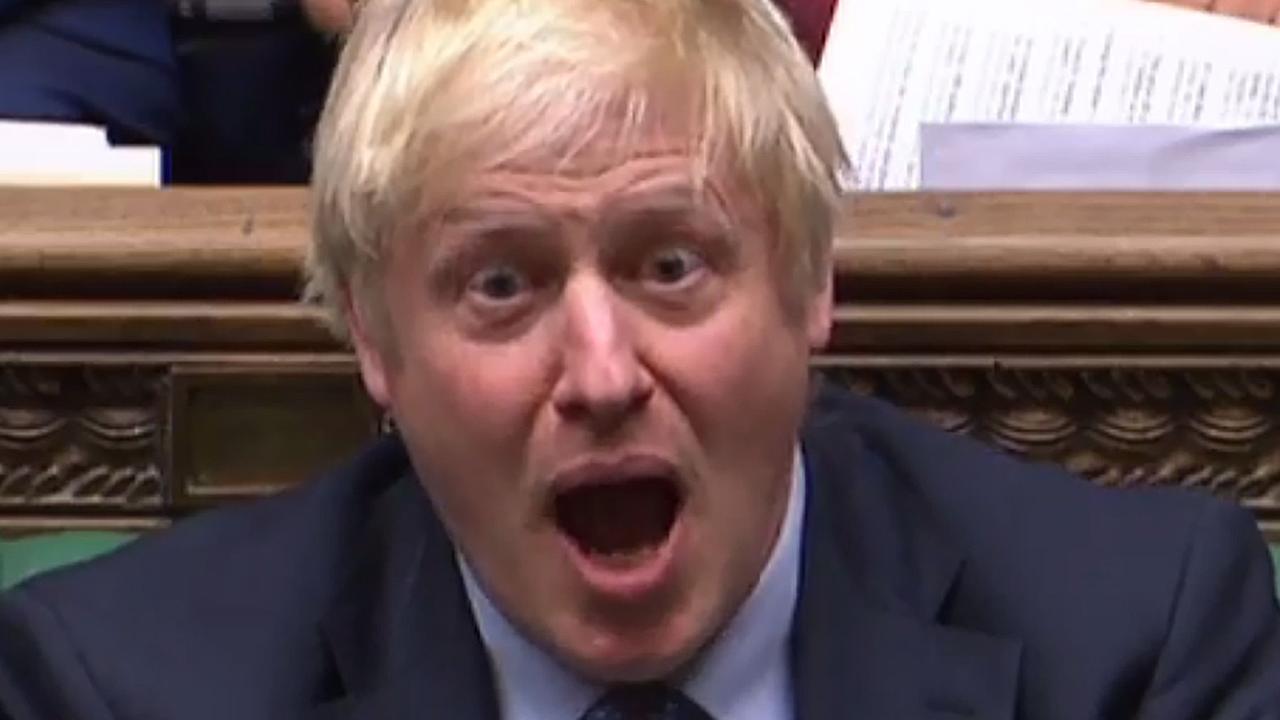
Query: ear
[819,315]
[370,353]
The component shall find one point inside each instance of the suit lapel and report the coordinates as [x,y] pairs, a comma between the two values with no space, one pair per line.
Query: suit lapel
[868,641]
[876,573]
[401,633]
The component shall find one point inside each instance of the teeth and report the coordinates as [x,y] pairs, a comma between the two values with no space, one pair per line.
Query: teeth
[625,553]
[622,558]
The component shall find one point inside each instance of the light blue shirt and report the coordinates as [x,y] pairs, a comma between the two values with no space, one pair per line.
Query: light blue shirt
[743,675]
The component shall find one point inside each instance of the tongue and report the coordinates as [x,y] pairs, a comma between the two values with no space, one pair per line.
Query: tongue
[618,518]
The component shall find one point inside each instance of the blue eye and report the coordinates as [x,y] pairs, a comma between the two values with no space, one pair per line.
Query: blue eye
[673,266]
[498,284]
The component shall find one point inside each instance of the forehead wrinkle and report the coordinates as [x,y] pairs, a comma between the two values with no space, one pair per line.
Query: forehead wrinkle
[586,194]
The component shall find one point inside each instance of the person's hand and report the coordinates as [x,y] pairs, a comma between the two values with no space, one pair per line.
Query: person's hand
[1267,11]
[332,17]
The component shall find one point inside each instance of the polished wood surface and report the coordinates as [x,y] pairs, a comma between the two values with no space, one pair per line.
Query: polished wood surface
[195,242]
[127,242]
[154,361]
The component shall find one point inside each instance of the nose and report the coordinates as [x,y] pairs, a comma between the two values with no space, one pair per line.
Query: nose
[602,380]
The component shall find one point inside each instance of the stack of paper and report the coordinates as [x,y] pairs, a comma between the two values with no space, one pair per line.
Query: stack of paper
[1048,93]
[41,153]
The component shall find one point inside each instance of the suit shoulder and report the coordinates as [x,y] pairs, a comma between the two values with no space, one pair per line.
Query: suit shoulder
[961,477]
[1071,568]
[219,601]
[1023,524]
[292,541]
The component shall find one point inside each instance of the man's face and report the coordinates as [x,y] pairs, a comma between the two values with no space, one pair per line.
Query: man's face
[600,384]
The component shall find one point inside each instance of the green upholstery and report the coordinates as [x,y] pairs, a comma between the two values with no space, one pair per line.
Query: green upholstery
[23,557]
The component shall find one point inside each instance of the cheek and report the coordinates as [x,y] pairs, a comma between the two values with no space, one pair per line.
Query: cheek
[453,383]
[466,415]
[740,379]
[479,392]
[467,408]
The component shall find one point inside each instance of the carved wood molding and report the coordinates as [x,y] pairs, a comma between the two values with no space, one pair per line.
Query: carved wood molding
[880,328]
[39,326]
[114,441]
[1201,423]
[118,442]
[80,437]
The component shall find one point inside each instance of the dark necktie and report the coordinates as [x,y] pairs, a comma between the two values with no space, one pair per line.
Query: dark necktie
[650,701]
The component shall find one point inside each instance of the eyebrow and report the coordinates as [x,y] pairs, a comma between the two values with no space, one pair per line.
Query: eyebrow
[496,216]
[662,189]
[484,228]
[677,201]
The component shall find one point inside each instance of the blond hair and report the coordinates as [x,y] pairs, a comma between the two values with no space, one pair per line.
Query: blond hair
[427,91]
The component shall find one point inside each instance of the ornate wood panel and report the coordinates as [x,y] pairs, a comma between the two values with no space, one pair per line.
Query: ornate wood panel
[1192,423]
[153,360]
[110,442]
[240,431]
[80,438]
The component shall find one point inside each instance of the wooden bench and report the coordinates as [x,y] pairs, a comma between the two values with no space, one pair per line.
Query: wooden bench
[153,360]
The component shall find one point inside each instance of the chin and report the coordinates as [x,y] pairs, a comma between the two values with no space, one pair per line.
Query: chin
[637,654]
[633,665]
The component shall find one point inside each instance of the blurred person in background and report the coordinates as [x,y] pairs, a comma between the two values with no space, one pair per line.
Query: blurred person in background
[233,87]
[1266,11]
[230,88]
[101,62]
[253,77]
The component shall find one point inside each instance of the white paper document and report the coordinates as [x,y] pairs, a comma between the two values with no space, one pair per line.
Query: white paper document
[1098,157]
[57,154]
[892,67]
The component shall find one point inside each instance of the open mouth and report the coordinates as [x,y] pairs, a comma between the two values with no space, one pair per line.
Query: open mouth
[619,519]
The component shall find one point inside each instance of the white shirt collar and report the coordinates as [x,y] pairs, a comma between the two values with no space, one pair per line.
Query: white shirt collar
[744,674]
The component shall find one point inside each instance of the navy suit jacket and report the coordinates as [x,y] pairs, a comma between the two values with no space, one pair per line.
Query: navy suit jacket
[939,579]
[107,62]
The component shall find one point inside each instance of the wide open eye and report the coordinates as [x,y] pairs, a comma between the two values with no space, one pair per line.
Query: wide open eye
[672,267]
[498,284]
